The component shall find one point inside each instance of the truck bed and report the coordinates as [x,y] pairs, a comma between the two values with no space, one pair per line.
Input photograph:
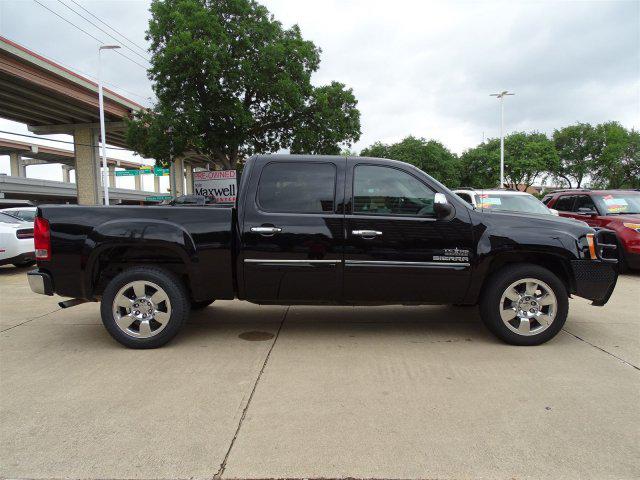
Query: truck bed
[90,244]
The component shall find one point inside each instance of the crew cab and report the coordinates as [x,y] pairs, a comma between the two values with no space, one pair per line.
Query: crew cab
[617,211]
[321,230]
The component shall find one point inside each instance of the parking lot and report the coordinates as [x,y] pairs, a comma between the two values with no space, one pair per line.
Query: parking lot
[250,391]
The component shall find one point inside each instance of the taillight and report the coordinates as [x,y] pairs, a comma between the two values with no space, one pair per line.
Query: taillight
[42,239]
[24,233]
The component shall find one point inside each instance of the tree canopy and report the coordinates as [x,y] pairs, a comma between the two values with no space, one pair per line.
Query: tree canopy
[429,155]
[232,81]
[526,157]
[576,146]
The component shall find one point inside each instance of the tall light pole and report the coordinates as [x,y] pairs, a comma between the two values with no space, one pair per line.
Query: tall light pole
[105,168]
[501,96]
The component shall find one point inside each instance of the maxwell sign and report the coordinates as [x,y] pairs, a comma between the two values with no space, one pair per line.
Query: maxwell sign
[219,185]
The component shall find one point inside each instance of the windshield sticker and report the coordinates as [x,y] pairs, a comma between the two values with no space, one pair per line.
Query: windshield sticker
[615,205]
[489,202]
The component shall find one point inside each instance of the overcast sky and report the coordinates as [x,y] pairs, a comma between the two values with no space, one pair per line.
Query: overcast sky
[416,67]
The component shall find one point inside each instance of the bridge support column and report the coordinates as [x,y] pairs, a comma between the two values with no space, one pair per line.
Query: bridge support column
[138,180]
[66,173]
[188,175]
[177,174]
[87,170]
[17,168]
[112,176]
[156,184]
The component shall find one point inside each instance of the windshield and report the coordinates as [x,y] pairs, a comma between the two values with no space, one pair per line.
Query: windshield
[26,215]
[512,203]
[618,203]
[9,218]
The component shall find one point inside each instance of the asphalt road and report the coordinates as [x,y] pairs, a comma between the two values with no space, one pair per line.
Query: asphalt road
[250,391]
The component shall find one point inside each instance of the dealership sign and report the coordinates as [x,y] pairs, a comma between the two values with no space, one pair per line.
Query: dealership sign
[219,185]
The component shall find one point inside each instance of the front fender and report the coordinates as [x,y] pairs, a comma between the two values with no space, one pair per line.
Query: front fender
[499,246]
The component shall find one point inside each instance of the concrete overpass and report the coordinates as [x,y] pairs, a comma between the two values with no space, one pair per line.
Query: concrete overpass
[21,190]
[23,154]
[52,99]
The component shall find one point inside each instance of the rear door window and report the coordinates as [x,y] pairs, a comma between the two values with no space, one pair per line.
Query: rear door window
[584,202]
[565,203]
[466,197]
[301,187]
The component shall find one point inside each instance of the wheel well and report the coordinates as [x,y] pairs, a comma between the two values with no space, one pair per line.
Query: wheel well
[114,260]
[556,265]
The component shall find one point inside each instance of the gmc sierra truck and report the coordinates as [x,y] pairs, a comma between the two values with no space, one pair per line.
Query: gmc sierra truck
[321,230]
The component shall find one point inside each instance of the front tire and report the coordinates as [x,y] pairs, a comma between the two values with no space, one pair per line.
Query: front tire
[524,304]
[144,307]
[202,304]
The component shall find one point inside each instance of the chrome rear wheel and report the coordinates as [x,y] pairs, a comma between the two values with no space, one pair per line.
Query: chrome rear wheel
[141,309]
[144,306]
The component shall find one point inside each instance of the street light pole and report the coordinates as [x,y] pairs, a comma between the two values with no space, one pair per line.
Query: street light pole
[105,168]
[501,96]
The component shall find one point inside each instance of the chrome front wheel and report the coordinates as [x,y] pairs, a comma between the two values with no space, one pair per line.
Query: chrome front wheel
[524,304]
[528,306]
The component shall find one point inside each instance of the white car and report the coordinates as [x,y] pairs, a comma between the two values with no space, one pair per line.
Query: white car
[504,200]
[28,214]
[16,241]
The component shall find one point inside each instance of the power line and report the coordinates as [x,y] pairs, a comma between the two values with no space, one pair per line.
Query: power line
[60,141]
[102,30]
[109,26]
[86,33]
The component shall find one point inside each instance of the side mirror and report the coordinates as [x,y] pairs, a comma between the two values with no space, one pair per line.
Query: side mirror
[587,211]
[441,207]
[554,212]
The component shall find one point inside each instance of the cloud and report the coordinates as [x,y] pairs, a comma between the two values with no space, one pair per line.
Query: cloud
[416,67]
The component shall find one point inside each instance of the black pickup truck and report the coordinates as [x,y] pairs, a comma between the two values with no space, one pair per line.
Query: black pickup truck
[321,230]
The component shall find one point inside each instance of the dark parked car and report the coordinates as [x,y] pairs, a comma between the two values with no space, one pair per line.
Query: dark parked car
[615,210]
[320,230]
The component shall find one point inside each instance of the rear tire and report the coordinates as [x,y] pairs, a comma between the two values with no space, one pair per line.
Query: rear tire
[144,307]
[524,304]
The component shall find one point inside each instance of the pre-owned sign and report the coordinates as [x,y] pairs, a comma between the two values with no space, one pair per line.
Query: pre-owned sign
[219,185]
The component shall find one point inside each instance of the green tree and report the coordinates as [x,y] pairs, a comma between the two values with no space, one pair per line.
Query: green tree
[576,146]
[526,157]
[616,157]
[428,155]
[480,166]
[231,81]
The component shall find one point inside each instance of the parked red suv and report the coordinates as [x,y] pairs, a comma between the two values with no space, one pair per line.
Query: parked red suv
[615,210]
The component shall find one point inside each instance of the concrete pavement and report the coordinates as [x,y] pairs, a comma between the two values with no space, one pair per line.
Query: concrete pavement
[331,392]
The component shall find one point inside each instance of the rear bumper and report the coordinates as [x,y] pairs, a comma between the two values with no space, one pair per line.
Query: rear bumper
[594,280]
[40,282]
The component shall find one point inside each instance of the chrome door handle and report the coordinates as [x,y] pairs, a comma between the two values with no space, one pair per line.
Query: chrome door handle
[367,233]
[266,230]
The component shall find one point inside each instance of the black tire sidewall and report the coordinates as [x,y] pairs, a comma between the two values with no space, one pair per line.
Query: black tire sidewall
[174,289]
[492,294]
[199,305]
